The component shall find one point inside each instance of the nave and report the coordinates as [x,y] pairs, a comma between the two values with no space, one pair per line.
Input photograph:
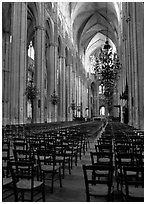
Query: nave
[125,139]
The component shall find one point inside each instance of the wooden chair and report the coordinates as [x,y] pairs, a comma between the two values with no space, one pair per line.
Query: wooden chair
[125,160]
[134,184]
[48,166]
[24,181]
[72,152]
[6,176]
[101,187]
[5,155]
[26,156]
[62,158]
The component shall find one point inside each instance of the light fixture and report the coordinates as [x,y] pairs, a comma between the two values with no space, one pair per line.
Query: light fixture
[107,66]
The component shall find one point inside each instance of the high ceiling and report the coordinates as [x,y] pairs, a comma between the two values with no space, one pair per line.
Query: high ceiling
[92,22]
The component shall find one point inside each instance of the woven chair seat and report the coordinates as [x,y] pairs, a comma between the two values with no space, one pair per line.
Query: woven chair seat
[26,184]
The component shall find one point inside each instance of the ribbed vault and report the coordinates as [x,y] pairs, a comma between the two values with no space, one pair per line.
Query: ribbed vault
[92,22]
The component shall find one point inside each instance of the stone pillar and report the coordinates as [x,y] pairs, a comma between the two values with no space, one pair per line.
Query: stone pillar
[51,80]
[128,60]
[134,57]
[139,35]
[40,65]
[6,48]
[97,102]
[70,92]
[18,63]
[60,89]
[67,81]
[73,90]
[63,90]
[89,97]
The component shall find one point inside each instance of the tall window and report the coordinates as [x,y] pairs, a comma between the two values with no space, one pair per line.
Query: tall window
[30,75]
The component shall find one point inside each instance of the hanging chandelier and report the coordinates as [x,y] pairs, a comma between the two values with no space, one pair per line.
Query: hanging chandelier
[107,66]
[107,63]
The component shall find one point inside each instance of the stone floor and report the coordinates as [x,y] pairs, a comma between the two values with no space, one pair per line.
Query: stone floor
[73,189]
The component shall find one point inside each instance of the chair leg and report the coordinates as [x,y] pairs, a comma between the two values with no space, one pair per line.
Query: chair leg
[43,193]
[16,195]
[76,159]
[63,169]
[60,177]
[52,183]
[69,167]
[22,195]
[87,197]
[31,195]
[71,161]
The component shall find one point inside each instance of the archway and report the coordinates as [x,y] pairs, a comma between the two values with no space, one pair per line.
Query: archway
[102,111]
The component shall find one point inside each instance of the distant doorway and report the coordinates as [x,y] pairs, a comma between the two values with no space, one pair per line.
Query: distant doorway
[102,111]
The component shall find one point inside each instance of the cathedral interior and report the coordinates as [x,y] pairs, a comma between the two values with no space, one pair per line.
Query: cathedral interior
[73,71]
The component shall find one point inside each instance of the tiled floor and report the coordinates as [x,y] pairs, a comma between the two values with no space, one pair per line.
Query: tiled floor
[73,189]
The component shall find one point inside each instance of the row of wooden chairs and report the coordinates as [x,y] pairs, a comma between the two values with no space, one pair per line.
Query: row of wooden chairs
[46,154]
[120,152]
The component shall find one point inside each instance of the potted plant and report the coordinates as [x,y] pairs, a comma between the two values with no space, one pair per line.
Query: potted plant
[54,98]
[31,93]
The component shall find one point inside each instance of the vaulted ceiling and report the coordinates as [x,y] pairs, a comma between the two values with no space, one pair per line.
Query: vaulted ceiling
[92,22]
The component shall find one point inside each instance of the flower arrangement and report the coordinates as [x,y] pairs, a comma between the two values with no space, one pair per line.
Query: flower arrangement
[73,105]
[54,98]
[31,91]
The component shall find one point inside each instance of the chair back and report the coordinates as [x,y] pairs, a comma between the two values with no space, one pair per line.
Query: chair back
[103,158]
[23,155]
[20,145]
[46,156]
[5,157]
[103,148]
[134,183]
[22,170]
[102,179]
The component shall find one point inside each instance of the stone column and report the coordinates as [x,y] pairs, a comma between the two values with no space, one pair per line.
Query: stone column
[134,71]
[40,65]
[63,90]
[67,91]
[18,63]
[70,91]
[97,103]
[139,35]
[73,90]
[6,48]
[51,80]
[60,89]
[129,69]
[76,92]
